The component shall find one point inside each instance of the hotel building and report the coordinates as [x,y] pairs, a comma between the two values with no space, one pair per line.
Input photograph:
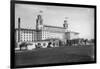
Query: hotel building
[43,32]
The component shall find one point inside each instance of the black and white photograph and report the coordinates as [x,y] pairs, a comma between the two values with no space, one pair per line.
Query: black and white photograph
[46,34]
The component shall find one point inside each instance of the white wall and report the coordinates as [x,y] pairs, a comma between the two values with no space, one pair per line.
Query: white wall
[5,35]
[55,35]
[73,36]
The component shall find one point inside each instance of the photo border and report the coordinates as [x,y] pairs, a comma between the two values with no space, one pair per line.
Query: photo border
[12,31]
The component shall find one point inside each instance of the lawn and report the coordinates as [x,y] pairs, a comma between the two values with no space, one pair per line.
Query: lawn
[55,55]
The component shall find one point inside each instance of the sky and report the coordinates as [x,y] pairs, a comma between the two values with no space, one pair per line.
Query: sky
[79,19]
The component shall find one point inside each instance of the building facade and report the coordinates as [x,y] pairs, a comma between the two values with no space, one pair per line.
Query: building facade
[41,32]
[71,35]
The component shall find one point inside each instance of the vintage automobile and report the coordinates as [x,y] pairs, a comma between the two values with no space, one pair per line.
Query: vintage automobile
[25,45]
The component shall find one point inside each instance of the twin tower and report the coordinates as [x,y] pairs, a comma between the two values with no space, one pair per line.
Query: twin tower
[39,22]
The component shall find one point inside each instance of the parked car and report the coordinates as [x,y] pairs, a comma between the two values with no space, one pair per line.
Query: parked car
[24,45]
[30,46]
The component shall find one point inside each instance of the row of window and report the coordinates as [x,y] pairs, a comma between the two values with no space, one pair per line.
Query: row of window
[33,36]
[28,31]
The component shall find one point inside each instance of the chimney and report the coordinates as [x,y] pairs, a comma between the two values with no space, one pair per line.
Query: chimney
[19,29]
